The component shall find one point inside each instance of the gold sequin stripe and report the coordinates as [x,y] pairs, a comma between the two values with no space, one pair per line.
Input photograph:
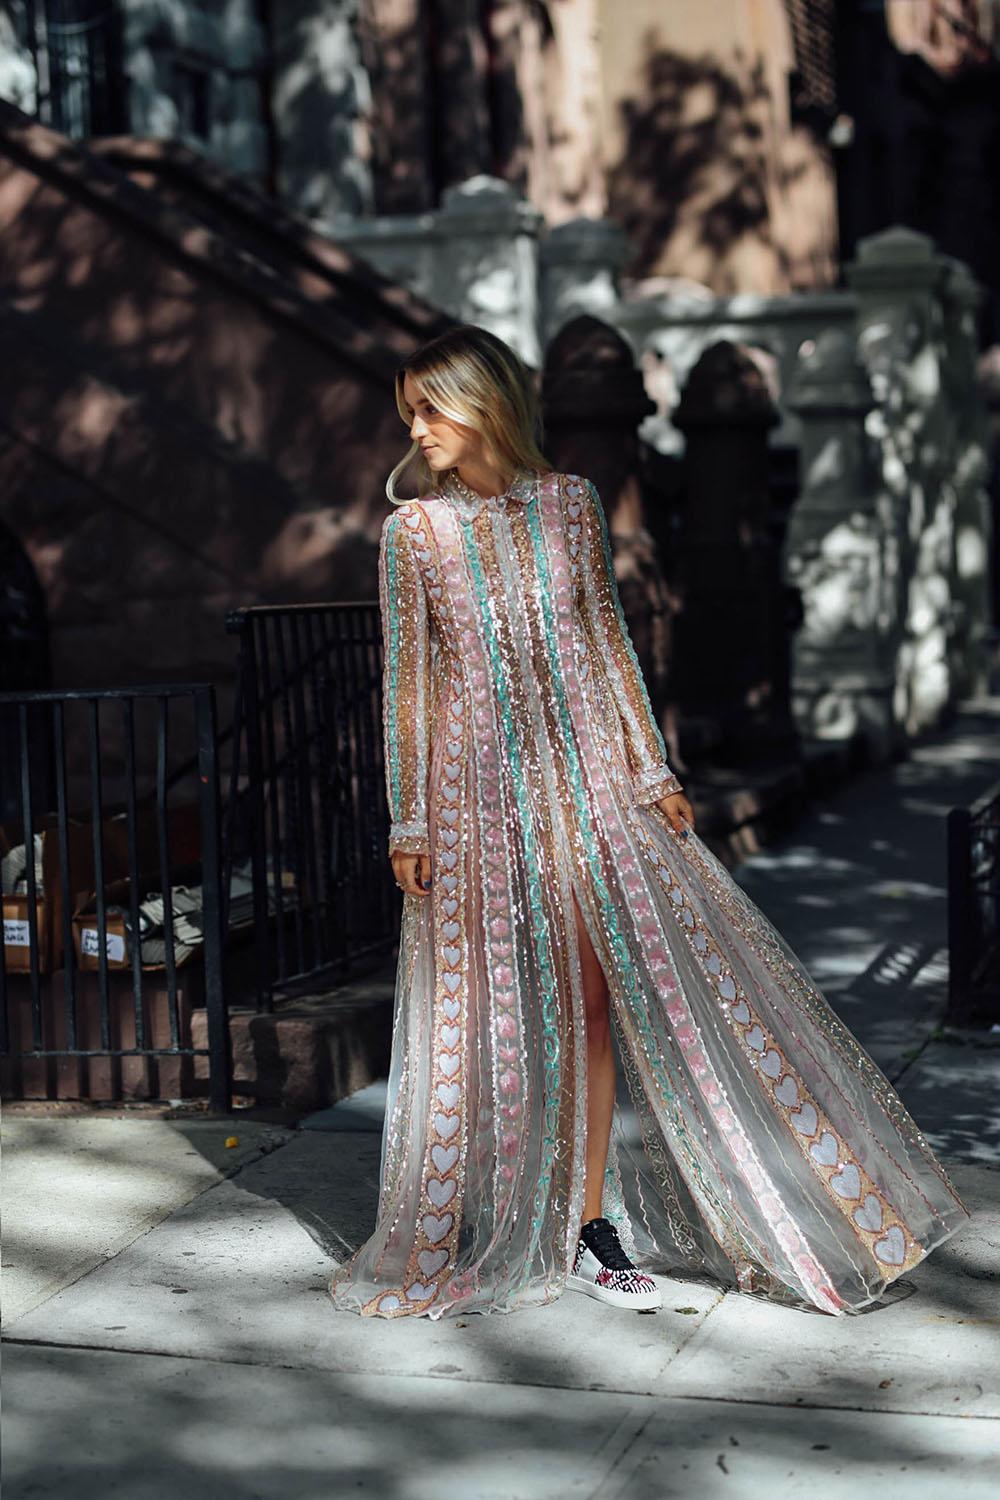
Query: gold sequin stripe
[439,1214]
[717,1219]
[590,720]
[800,995]
[406,680]
[546,574]
[732,1240]
[518,705]
[603,611]
[747,1245]
[682,1231]
[507,1044]
[728,1227]
[849,1187]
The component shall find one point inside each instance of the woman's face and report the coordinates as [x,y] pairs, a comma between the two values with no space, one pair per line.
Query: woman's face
[444,443]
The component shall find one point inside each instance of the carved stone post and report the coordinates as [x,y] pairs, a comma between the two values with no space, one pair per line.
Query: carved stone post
[970,467]
[593,401]
[898,278]
[581,265]
[843,658]
[730,646]
[486,262]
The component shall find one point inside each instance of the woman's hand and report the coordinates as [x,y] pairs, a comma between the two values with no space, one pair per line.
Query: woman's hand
[678,812]
[412,872]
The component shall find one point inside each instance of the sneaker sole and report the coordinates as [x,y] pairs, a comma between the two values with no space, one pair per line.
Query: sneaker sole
[637,1301]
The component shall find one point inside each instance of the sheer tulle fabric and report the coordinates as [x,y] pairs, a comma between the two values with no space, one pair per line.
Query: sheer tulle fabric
[760,1144]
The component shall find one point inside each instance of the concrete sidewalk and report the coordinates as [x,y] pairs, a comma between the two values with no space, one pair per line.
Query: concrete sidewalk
[191,1349]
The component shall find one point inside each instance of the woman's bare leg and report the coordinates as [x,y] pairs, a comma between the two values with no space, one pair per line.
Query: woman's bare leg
[600,1071]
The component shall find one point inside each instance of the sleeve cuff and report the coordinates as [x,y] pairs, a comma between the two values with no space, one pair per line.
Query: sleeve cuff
[650,786]
[409,838]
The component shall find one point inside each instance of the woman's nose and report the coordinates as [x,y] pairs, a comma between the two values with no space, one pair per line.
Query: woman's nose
[417,428]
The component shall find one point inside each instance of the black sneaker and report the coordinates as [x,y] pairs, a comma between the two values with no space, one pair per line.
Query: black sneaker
[603,1270]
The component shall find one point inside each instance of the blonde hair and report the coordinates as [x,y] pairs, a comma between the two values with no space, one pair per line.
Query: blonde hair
[475,379]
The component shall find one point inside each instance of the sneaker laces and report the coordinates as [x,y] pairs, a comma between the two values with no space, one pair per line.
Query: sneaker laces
[601,1238]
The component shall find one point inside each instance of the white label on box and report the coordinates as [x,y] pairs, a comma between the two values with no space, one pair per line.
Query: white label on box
[114,944]
[16,934]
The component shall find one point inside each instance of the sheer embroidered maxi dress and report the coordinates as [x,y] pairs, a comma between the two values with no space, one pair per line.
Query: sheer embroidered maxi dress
[762,1147]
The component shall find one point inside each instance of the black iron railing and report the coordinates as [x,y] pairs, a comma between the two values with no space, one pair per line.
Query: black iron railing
[974,912]
[112,880]
[307,803]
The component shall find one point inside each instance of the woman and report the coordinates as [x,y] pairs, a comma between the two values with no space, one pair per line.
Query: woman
[555,890]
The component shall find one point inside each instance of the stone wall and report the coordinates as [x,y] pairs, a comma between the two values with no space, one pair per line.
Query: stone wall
[875,387]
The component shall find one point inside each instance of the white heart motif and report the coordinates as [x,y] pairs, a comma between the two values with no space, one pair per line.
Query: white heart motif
[450,1007]
[416,1293]
[445,1125]
[450,931]
[388,1304]
[756,1039]
[444,1157]
[892,1248]
[431,1261]
[770,1064]
[787,1091]
[825,1150]
[806,1120]
[741,1013]
[441,1193]
[847,1183]
[451,982]
[449,1064]
[450,1036]
[869,1216]
[451,954]
[436,1228]
[448,1093]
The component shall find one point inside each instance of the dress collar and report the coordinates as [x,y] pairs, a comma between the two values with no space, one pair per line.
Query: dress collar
[523,488]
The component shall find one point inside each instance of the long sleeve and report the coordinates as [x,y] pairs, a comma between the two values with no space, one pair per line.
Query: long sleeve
[406,689]
[610,639]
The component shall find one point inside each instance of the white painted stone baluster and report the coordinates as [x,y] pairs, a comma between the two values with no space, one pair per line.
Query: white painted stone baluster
[838,555]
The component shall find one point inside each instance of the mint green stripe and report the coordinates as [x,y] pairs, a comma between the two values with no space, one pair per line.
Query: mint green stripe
[551,1049]
[633,985]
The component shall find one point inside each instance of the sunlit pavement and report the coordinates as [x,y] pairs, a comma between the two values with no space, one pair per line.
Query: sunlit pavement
[169,1332]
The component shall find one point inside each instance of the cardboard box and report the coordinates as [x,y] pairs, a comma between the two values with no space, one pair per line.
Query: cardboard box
[117,940]
[17,935]
[183,841]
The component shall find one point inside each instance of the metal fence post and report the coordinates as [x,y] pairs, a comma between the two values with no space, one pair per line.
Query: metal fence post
[239,623]
[216,1007]
[959,915]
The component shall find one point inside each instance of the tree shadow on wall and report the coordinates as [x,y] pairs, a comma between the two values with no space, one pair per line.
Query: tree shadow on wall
[693,153]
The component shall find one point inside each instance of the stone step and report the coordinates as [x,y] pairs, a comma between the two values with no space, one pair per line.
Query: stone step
[309,1051]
